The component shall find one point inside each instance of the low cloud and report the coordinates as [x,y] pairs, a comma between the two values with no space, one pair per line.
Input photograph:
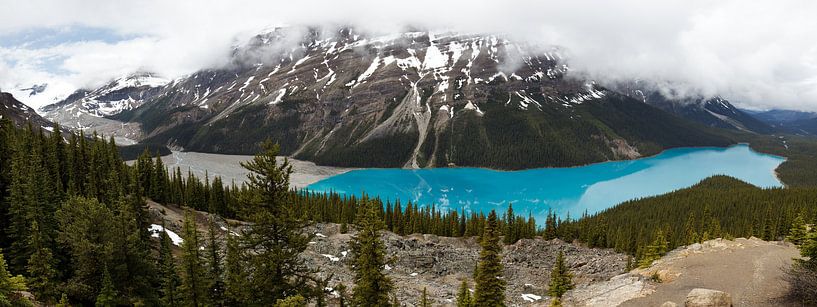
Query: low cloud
[759,54]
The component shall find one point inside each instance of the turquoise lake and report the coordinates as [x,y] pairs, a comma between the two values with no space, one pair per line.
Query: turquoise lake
[566,190]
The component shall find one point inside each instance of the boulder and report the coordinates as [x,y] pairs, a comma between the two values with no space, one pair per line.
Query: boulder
[669,304]
[708,298]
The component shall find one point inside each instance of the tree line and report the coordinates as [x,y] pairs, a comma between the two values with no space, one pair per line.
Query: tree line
[75,227]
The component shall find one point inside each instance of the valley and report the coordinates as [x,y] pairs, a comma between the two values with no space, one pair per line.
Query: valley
[434,153]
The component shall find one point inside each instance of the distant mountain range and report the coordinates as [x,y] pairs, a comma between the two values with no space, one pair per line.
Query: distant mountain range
[415,99]
[788,121]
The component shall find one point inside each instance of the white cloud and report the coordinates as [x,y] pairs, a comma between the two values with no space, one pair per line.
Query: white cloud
[759,54]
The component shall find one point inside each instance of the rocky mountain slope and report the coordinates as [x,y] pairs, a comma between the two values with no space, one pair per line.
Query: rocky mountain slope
[21,114]
[414,99]
[438,264]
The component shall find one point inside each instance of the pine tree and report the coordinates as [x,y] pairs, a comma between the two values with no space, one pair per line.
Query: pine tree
[464,295]
[490,287]
[560,278]
[106,296]
[193,287]
[372,286]
[41,267]
[798,230]
[275,236]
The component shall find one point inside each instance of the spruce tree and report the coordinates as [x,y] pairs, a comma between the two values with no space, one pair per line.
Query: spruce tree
[194,286]
[560,278]
[798,230]
[42,280]
[107,295]
[86,230]
[63,301]
[490,286]
[235,278]
[372,286]
[276,234]
[169,282]
[464,295]
[654,251]
[690,234]
[510,227]
[424,299]
[6,285]
[214,265]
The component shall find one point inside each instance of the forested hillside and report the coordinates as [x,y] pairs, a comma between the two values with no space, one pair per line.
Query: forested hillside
[75,226]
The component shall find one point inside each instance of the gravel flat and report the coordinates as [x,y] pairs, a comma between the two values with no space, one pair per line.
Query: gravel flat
[229,167]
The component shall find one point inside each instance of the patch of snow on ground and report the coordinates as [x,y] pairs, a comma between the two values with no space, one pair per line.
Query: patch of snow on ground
[155,229]
[278,97]
[531,297]
[247,83]
[331,257]
[434,58]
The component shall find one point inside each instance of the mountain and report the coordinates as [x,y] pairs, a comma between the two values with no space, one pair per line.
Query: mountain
[20,114]
[415,99]
[714,111]
[86,109]
[790,121]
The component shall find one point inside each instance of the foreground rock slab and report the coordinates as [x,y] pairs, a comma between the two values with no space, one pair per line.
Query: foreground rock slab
[750,270]
[699,297]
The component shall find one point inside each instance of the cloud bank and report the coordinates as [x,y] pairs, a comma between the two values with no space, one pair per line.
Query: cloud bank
[759,54]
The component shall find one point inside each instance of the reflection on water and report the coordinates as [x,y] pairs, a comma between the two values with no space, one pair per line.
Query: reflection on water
[566,190]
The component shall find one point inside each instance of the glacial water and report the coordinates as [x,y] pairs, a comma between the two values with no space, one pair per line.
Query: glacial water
[565,190]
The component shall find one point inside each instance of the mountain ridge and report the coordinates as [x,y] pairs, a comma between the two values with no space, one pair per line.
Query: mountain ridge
[417,99]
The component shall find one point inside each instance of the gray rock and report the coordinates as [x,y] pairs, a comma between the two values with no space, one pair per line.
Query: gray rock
[708,298]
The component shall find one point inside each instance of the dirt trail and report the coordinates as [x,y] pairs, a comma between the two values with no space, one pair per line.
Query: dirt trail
[751,270]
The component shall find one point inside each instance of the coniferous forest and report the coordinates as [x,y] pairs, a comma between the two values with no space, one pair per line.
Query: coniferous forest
[75,229]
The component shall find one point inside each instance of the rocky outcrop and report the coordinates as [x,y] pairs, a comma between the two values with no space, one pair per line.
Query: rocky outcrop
[439,264]
[612,292]
[708,298]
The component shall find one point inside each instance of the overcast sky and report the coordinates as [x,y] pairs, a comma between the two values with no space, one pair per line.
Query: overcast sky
[759,54]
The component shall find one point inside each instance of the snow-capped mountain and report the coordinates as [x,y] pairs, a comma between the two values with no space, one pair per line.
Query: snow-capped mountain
[90,109]
[125,93]
[412,99]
